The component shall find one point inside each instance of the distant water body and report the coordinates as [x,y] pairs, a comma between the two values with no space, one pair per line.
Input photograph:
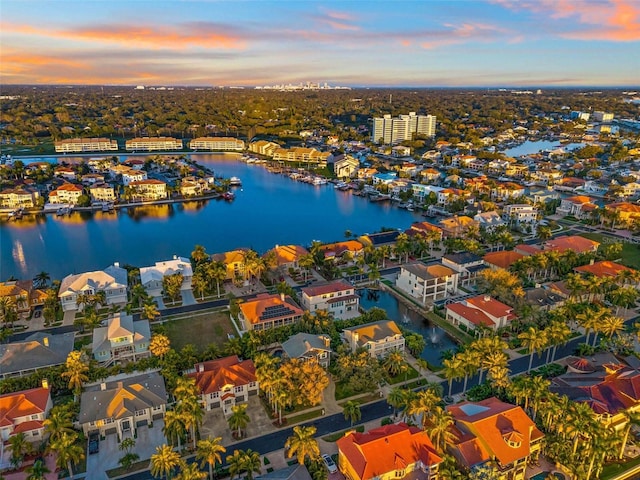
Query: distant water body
[529,147]
[269,209]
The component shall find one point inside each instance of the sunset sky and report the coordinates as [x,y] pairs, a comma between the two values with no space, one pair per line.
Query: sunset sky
[354,43]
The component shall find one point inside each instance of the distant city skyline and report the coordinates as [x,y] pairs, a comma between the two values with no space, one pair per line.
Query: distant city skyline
[479,43]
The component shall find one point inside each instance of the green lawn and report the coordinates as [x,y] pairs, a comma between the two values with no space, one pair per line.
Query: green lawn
[403,377]
[616,469]
[303,417]
[199,330]
[630,252]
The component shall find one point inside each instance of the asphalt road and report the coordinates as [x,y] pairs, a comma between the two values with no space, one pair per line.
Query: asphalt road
[380,409]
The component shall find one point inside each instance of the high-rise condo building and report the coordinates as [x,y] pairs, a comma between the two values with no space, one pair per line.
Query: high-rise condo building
[401,128]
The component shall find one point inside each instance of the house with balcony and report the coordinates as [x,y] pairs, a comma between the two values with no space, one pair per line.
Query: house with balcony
[338,298]
[38,350]
[112,281]
[494,431]
[391,452]
[23,294]
[25,412]
[507,190]
[521,216]
[102,192]
[148,190]
[427,282]
[151,277]
[122,404]
[266,311]
[345,166]
[626,211]
[480,311]
[348,249]
[578,206]
[457,226]
[466,264]
[288,256]
[66,194]
[430,175]
[19,197]
[308,347]
[425,229]
[225,382]
[489,221]
[378,338]
[121,340]
[233,262]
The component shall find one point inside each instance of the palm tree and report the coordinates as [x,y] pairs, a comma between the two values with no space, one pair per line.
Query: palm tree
[611,325]
[394,362]
[306,262]
[41,280]
[534,341]
[199,255]
[164,461]
[453,370]
[174,426]
[37,471]
[159,345]
[150,311]
[20,447]
[209,451]
[557,332]
[423,405]
[247,461]
[68,451]
[351,411]
[76,371]
[190,471]
[396,398]
[440,431]
[58,422]
[192,413]
[239,418]
[302,444]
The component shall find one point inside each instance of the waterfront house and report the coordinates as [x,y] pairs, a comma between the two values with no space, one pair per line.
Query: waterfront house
[38,350]
[151,277]
[66,194]
[66,173]
[152,144]
[489,221]
[427,282]
[491,430]
[130,174]
[627,212]
[480,311]
[457,226]
[430,175]
[112,281]
[578,206]
[384,178]
[449,195]
[266,311]
[77,145]
[366,173]
[23,294]
[263,147]
[378,338]
[92,179]
[148,190]
[501,260]
[337,297]
[194,187]
[608,384]
[422,192]
[391,452]
[466,264]
[345,166]
[122,404]
[19,197]
[287,256]
[233,261]
[225,382]
[426,230]
[308,347]
[379,239]
[217,144]
[25,412]
[102,192]
[121,340]
[348,249]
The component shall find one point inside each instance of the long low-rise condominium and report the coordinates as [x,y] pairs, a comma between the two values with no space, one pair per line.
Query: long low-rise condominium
[216,143]
[154,144]
[86,145]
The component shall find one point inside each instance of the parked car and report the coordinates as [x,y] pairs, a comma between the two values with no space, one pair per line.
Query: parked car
[329,463]
[94,443]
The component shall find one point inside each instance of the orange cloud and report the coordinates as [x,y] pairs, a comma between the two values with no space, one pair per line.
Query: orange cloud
[337,20]
[462,33]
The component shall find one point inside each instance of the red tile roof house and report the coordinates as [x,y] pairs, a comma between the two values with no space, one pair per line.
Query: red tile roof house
[391,452]
[602,269]
[498,431]
[480,311]
[337,297]
[25,412]
[224,382]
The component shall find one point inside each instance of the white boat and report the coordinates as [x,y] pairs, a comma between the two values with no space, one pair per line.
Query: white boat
[319,181]
[235,181]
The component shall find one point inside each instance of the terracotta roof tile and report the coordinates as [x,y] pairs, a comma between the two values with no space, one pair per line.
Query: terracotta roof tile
[603,268]
[502,259]
[212,376]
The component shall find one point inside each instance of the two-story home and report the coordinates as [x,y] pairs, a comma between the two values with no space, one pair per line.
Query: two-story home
[507,190]
[225,382]
[308,347]
[66,194]
[112,281]
[427,230]
[102,192]
[491,430]
[489,221]
[480,311]
[427,283]
[338,298]
[345,166]
[122,340]
[38,350]
[123,403]
[20,197]
[627,212]
[502,259]
[521,216]
[148,190]
[578,206]
[348,249]
[288,256]
[265,312]
[466,264]
[457,226]
[22,293]
[378,338]
[233,261]
[25,412]
[391,452]
[151,277]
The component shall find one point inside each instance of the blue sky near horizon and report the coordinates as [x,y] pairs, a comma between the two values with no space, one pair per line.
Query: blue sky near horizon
[356,43]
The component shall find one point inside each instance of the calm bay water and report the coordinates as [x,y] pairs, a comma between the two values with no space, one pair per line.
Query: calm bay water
[269,209]
[437,339]
[530,147]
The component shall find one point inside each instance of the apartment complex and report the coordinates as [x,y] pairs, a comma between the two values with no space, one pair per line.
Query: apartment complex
[153,144]
[398,129]
[216,143]
[86,145]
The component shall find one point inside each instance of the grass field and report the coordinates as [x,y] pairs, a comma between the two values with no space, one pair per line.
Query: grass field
[200,330]
[630,251]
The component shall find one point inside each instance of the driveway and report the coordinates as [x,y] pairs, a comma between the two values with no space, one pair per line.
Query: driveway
[215,424]
[187,297]
[109,454]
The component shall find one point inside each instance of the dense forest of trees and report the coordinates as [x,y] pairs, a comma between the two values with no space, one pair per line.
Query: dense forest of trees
[36,114]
